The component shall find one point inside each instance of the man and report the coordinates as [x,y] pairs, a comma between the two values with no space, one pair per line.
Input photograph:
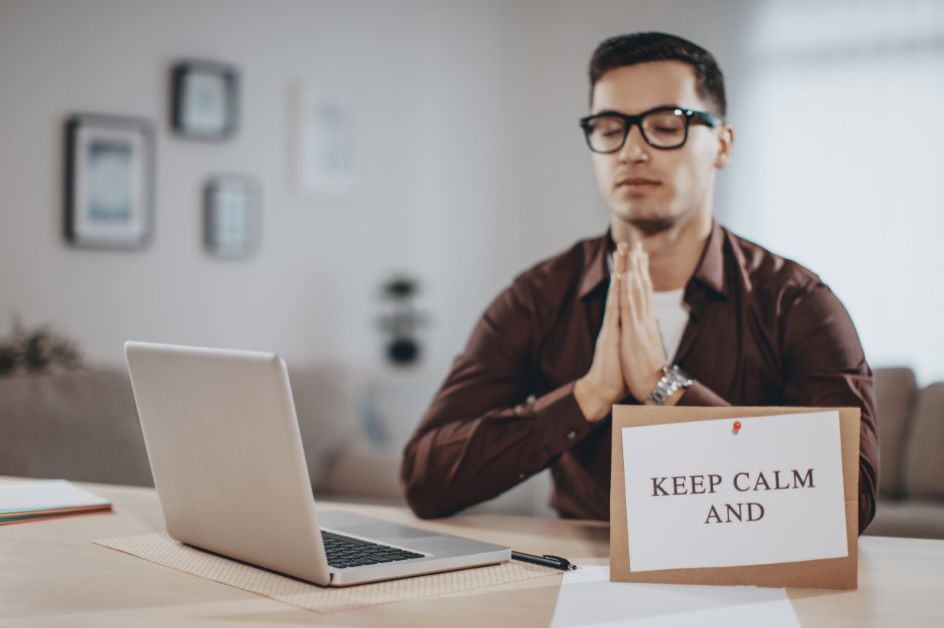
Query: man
[667,307]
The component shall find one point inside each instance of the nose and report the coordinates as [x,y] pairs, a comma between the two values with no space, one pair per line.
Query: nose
[634,148]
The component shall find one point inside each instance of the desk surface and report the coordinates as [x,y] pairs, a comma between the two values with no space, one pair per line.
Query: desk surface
[52,575]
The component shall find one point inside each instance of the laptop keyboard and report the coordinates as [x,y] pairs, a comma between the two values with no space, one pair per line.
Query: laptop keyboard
[343,551]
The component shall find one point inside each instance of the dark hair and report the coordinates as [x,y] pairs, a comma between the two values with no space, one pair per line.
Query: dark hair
[633,48]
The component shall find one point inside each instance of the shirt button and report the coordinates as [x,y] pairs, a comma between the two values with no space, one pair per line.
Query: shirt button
[571,435]
[522,476]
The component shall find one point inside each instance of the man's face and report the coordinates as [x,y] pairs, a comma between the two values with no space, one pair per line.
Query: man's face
[645,186]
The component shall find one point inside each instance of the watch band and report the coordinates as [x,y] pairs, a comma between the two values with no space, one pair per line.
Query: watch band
[673,379]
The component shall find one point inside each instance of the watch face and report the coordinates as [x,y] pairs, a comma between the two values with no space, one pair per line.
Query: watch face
[682,378]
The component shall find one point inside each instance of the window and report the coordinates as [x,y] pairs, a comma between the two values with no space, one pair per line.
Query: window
[839,163]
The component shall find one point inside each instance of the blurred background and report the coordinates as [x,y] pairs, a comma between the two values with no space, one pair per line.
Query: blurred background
[404,161]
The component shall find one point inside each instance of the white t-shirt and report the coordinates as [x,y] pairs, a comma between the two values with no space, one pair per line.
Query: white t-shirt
[671,314]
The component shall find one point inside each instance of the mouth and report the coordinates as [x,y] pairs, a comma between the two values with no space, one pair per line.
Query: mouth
[637,183]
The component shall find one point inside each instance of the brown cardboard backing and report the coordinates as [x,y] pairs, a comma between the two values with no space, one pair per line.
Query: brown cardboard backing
[831,573]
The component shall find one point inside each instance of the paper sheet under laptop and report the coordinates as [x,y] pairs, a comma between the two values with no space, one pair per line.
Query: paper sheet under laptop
[700,495]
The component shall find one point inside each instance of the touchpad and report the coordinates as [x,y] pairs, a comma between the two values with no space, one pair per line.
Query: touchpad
[368,527]
[386,531]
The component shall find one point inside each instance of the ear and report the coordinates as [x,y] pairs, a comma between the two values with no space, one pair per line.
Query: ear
[725,145]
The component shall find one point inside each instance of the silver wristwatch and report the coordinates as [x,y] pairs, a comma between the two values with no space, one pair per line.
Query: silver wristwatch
[673,378]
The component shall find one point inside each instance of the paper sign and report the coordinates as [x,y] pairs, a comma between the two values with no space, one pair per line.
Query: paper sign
[700,495]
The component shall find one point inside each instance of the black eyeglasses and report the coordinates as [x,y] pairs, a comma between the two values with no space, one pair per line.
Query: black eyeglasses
[663,127]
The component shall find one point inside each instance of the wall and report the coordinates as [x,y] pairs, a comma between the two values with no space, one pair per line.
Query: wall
[844,168]
[469,163]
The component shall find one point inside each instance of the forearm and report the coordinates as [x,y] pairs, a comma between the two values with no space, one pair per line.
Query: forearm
[452,464]
[700,395]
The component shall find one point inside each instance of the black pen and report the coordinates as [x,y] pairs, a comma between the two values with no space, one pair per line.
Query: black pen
[547,560]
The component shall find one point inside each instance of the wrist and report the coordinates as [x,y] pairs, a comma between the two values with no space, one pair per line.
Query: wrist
[670,386]
[650,383]
[592,404]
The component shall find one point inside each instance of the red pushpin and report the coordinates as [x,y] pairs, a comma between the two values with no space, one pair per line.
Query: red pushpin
[737,427]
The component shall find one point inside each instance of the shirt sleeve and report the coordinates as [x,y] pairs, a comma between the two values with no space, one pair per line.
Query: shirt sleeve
[482,433]
[824,365]
[700,395]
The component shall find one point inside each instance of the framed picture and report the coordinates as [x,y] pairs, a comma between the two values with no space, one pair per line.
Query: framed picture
[232,217]
[204,100]
[108,187]
[323,144]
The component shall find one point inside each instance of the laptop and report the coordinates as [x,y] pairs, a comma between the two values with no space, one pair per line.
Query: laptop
[226,455]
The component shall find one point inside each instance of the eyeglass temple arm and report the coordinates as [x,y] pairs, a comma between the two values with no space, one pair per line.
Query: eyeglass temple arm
[709,119]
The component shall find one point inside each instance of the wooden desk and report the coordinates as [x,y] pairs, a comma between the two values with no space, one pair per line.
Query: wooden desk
[53,576]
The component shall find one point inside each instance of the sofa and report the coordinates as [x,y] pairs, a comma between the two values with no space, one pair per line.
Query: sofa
[82,425]
[911,450]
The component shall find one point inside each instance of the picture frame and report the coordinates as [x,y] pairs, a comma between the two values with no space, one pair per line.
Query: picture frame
[323,140]
[204,100]
[109,188]
[232,216]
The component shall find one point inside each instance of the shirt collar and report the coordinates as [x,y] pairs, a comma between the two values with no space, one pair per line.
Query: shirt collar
[594,263]
[709,272]
[710,269]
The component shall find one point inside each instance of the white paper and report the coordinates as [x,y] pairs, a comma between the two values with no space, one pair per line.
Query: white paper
[588,598]
[44,495]
[693,527]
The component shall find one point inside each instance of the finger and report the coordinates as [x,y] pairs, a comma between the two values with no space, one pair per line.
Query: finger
[630,258]
[635,289]
[627,307]
[613,298]
[621,263]
[622,250]
[655,334]
[646,283]
[611,312]
[628,320]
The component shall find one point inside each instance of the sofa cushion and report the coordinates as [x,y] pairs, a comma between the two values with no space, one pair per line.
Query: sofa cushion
[80,425]
[923,462]
[910,518]
[392,401]
[325,402]
[83,425]
[363,471]
[895,389]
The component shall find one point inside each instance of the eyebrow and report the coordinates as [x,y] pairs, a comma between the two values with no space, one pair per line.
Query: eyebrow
[620,113]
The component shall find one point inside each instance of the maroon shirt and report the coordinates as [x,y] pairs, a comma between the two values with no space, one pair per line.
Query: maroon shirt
[762,331]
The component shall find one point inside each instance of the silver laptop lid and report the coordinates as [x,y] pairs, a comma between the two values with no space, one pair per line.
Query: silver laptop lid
[226,454]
